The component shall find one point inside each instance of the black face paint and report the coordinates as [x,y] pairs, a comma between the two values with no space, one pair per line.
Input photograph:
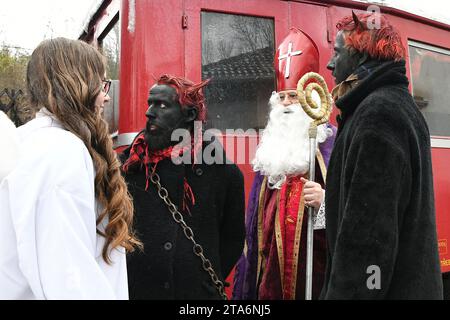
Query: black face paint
[164,115]
[344,61]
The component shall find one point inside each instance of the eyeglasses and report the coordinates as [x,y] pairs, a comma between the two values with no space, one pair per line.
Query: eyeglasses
[106,86]
[291,95]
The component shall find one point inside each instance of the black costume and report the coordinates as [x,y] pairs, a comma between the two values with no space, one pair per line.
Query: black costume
[168,268]
[380,200]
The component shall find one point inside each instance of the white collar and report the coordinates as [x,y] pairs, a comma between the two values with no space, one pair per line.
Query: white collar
[43,119]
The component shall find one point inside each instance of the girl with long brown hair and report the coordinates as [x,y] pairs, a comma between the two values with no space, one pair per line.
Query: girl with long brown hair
[65,211]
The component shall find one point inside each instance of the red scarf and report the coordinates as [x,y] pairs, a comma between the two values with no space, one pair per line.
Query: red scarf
[140,154]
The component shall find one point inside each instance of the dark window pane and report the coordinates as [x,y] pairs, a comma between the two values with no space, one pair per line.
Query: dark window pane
[111,50]
[430,68]
[237,55]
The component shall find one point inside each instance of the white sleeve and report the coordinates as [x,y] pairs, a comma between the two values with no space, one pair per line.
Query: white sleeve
[65,248]
[319,216]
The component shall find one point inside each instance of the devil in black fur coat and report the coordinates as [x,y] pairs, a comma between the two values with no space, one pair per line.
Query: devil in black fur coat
[380,213]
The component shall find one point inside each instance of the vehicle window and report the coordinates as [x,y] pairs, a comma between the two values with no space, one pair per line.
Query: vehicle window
[430,67]
[237,55]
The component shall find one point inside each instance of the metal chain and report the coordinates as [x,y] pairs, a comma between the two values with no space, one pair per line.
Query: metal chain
[178,217]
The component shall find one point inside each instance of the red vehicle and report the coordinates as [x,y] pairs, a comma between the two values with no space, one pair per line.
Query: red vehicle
[233,42]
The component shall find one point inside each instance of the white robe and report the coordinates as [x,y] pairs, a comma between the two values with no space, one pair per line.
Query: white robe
[49,247]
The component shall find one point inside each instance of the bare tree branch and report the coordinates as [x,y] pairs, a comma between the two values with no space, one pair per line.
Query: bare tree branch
[225,49]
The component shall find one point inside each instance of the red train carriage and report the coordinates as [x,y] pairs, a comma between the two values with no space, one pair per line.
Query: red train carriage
[233,42]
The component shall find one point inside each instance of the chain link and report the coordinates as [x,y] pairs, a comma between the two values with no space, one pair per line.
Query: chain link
[198,249]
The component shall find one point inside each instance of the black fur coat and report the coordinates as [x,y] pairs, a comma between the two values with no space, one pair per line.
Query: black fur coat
[380,203]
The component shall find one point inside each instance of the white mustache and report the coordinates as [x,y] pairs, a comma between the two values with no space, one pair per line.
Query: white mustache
[289,110]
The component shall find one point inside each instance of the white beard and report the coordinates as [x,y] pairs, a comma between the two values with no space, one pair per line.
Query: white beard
[284,148]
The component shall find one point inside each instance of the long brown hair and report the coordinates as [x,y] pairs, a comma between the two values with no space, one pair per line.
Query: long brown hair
[65,76]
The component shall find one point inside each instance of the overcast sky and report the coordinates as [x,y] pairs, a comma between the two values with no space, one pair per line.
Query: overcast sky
[437,9]
[25,23]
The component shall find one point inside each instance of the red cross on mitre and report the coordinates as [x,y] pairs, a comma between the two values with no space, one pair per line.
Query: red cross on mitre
[296,55]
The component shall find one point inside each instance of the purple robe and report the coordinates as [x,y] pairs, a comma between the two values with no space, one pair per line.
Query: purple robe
[246,269]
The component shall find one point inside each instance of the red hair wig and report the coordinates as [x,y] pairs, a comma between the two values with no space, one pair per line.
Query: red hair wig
[372,34]
[189,93]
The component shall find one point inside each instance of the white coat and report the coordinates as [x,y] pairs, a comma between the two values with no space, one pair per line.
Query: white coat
[49,246]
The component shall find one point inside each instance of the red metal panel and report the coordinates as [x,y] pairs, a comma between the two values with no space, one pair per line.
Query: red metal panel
[155,47]
[441,159]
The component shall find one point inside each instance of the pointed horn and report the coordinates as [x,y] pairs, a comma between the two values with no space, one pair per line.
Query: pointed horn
[358,24]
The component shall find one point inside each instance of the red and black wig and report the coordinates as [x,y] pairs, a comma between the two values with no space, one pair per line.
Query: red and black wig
[189,93]
[373,34]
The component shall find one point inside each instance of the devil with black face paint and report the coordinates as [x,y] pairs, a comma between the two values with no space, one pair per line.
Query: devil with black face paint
[345,60]
[380,216]
[209,198]
[164,115]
